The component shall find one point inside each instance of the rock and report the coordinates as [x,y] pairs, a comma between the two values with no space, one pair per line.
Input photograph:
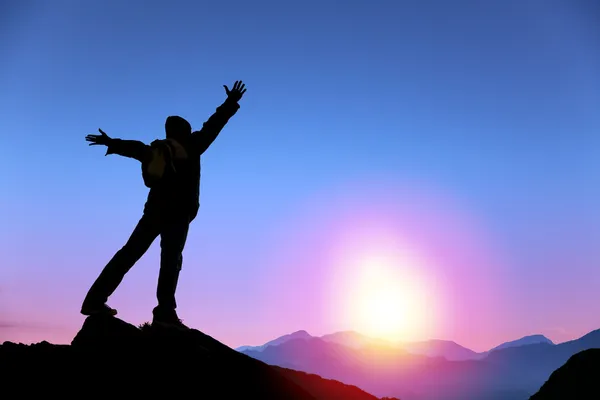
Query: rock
[109,357]
[577,379]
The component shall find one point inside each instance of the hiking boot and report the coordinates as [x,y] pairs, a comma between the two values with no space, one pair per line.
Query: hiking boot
[168,320]
[102,309]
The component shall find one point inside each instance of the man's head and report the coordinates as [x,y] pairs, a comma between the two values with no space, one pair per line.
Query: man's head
[177,128]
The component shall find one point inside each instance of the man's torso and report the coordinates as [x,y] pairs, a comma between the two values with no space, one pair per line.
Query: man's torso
[177,191]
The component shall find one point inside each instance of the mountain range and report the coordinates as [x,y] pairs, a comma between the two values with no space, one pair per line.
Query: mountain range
[429,370]
[447,349]
[111,358]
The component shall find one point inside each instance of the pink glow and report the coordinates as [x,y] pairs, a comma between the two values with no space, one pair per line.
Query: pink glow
[316,257]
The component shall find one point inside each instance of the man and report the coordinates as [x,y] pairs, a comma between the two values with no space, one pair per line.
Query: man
[172,203]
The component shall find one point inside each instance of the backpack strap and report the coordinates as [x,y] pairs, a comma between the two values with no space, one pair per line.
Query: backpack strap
[155,166]
[162,156]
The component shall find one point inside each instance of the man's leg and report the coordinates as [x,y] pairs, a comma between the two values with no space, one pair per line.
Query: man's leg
[111,276]
[172,241]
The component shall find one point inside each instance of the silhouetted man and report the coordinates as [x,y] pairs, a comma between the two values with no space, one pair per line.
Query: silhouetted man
[172,203]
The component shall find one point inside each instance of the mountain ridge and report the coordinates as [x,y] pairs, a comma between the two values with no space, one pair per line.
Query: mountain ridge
[510,373]
[432,347]
[524,341]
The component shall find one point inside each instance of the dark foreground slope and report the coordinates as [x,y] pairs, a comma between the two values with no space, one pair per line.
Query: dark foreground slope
[327,388]
[578,379]
[110,357]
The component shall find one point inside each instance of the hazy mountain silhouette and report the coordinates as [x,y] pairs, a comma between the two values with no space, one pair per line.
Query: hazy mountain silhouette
[536,362]
[511,373]
[318,356]
[577,379]
[453,351]
[347,338]
[524,341]
[447,349]
[278,341]
[111,358]
[387,371]
[354,339]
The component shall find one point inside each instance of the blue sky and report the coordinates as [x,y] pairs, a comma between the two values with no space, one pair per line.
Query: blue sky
[493,103]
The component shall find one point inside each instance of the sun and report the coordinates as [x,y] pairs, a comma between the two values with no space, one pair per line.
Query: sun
[384,311]
[389,299]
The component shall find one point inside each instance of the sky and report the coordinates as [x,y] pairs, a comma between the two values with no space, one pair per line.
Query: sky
[405,169]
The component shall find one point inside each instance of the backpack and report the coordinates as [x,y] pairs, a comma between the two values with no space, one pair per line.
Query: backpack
[163,153]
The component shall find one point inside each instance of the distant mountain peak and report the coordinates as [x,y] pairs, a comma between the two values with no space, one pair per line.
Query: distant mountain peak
[301,334]
[524,341]
[537,337]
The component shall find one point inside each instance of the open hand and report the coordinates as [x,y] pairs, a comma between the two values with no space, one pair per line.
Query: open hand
[95,140]
[236,92]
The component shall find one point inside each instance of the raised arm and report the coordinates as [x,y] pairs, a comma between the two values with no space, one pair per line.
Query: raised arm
[126,148]
[203,138]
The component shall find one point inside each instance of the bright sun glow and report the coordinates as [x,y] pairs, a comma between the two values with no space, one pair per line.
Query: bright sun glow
[384,310]
[387,297]
[388,301]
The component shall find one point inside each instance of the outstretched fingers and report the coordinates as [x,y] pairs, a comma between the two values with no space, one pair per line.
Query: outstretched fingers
[237,90]
[239,86]
[95,139]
